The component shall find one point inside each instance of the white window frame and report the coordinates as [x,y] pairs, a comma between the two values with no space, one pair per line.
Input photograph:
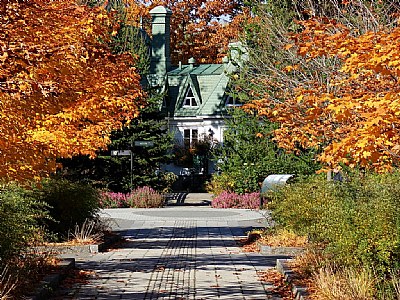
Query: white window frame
[190,100]
[193,136]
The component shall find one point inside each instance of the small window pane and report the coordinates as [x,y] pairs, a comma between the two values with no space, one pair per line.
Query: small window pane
[190,100]
[195,135]
[186,138]
[231,101]
[190,136]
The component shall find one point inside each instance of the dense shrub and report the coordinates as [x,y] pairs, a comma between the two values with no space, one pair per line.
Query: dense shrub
[358,220]
[233,200]
[70,204]
[145,197]
[19,215]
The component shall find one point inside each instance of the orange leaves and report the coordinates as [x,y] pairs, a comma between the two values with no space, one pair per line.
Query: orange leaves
[61,91]
[199,29]
[315,39]
[355,116]
[291,68]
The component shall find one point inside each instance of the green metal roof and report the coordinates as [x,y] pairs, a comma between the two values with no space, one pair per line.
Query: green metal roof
[205,69]
[208,83]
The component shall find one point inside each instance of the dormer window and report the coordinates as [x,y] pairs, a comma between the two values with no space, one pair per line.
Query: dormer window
[232,102]
[190,100]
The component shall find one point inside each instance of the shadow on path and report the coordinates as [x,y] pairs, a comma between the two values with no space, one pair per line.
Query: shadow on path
[181,262]
[175,259]
[186,199]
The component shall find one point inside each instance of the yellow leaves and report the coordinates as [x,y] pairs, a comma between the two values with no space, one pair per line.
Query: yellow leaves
[354,117]
[291,68]
[24,86]
[101,16]
[303,50]
[366,154]
[58,104]
[288,46]
[89,30]
[299,98]
[361,143]
[84,57]
[12,170]
[396,148]
[4,56]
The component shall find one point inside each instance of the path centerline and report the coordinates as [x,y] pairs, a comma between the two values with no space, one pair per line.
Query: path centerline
[181,255]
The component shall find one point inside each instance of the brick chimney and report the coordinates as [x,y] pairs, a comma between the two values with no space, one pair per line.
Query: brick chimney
[160,61]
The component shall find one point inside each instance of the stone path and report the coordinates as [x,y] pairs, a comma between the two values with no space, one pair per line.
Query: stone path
[175,253]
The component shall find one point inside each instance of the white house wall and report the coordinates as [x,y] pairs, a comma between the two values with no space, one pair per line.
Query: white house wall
[217,125]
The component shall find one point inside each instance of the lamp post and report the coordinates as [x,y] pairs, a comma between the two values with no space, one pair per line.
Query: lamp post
[130,153]
[139,144]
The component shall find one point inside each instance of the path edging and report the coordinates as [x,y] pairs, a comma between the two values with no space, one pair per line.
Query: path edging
[271,250]
[51,282]
[299,292]
[93,248]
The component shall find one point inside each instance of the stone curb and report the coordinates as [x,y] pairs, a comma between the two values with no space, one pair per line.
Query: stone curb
[299,292]
[52,281]
[289,251]
[94,248]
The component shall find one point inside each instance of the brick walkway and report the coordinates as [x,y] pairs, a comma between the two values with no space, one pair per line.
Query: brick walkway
[175,253]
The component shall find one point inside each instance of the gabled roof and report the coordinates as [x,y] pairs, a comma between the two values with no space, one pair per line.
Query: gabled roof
[192,83]
[205,69]
[208,83]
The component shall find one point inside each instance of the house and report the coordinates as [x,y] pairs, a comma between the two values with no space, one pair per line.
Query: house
[196,95]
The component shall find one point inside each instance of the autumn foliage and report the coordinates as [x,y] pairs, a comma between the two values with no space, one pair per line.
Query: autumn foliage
[199,29]
[354,115]
[61,91]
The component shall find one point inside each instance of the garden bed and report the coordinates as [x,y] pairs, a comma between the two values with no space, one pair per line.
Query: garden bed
[299,291]
[51,281]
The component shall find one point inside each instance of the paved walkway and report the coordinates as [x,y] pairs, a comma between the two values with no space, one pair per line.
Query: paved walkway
[175,253]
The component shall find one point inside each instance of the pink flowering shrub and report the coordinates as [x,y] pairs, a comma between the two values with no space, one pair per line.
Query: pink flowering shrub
[145,197]
[250,201]
[113,200]
[233,200]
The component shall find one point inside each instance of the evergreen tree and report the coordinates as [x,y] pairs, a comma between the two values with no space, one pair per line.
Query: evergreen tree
[249,154]
[114,172]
